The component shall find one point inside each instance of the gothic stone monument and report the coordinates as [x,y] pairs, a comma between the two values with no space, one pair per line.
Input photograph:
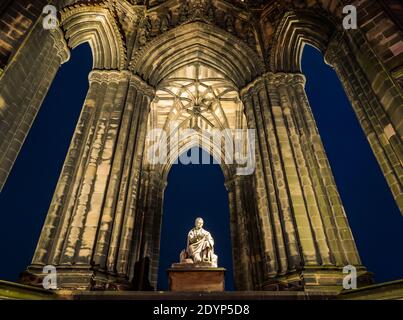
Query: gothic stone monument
[152,60]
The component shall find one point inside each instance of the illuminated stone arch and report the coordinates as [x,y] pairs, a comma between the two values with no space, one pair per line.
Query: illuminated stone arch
[95,25]
[197,42]
[296,29]
[199,98]
[324,31]
[107,208]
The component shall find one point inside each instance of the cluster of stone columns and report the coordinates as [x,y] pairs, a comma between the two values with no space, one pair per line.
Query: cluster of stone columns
[90,224]
[377,103]
[302,222]
[23,87]
[147,230]
[242,254]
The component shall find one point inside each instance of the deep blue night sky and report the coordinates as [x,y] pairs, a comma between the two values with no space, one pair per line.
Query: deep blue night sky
[374,218]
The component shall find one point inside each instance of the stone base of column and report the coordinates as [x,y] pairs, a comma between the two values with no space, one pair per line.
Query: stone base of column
[316,279]
[76,278]
[196,279]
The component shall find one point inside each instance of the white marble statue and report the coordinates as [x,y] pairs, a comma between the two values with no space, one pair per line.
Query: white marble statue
[200,246]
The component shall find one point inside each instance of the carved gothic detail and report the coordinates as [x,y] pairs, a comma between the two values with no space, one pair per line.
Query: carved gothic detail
[60,45]
[106,76]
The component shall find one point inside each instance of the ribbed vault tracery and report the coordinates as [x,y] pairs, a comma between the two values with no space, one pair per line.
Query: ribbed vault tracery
[197,42]
[199,98]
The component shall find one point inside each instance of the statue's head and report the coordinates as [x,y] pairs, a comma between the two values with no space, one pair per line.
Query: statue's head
[199,223]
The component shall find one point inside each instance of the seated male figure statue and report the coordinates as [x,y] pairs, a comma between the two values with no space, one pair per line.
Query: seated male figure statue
[200,246]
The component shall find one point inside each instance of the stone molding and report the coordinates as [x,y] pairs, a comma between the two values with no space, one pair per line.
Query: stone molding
[334,48]
[142,86]
[107,76]
[60,44]
[278,78]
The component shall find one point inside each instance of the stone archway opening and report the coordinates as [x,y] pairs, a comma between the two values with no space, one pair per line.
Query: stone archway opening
[195,190]
[195,108]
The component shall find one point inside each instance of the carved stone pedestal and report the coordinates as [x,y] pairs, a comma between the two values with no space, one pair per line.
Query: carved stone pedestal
[191,278]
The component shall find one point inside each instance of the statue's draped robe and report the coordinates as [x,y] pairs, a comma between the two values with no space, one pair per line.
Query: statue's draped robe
[200,243]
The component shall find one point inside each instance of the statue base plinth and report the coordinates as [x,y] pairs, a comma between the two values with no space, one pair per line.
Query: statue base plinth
[191,265]
[200,277]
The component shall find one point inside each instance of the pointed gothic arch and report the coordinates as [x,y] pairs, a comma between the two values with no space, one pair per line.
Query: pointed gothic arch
[359,70]
[96,26]
[296,28]
[197,42]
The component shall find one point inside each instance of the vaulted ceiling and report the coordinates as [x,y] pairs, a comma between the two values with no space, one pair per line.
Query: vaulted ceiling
[200,99]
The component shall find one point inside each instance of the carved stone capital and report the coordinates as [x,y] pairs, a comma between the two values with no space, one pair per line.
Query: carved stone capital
[276,79]
[142,86]
[282,78]
[334,48]
[255,84]
[297,79]
[107,76]
[60,45]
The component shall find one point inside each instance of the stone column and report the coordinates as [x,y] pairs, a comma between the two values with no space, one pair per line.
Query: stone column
[378,109]
[145,257]
[23,87]
[292,181]
[266,228]
[123,245]
[297,154]
[77,199]
[88,219]
[320,182]
[243,255]
[87,203]
[327,208]
[293,177]
[57,221]
[116,230]
[279,194]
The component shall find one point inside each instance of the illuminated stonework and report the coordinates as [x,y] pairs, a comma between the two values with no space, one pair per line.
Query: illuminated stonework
[198,98]
[203,65]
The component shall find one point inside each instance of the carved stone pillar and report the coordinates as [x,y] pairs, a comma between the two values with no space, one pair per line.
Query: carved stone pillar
[329,220]
[121,244]
[243,255]
[23,87]
[269,251]
[87,231]
[378,111]
[156,232]
[293,176]
[148,230]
